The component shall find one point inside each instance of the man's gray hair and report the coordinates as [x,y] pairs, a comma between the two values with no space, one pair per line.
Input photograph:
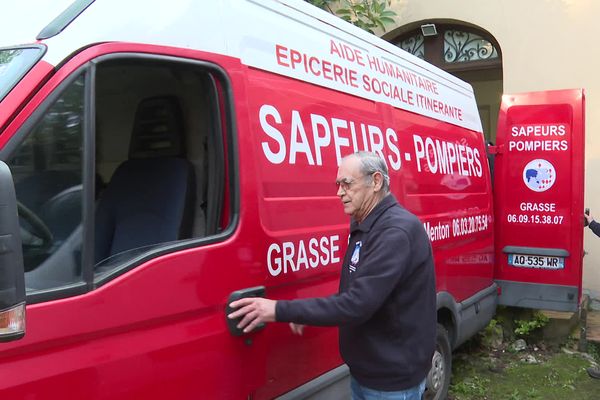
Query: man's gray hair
[371,162]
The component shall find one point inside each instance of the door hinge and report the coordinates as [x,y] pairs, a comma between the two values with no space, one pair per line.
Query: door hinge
[495,149]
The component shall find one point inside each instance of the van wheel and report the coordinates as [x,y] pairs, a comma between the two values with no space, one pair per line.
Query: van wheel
[438,378]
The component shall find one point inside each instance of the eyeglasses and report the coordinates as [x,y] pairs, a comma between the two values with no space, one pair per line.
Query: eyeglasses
[346,183]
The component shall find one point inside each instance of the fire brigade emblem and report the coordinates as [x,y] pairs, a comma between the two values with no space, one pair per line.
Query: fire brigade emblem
[539,175]
[355,257]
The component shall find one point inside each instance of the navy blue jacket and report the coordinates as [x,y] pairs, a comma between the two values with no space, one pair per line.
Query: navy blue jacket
[386,304]
[595,227]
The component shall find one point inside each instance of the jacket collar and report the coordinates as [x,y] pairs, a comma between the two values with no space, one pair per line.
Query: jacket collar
[365,226]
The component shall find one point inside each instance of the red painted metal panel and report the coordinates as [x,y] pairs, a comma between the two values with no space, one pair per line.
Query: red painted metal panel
[539,184]
[302,138]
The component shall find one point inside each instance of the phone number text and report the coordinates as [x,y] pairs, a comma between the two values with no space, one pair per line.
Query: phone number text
[467,225]
[535,219]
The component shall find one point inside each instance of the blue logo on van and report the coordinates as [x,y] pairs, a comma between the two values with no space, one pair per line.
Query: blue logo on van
[539,175]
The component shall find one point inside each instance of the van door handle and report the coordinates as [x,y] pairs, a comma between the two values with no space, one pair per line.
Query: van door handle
[257,291]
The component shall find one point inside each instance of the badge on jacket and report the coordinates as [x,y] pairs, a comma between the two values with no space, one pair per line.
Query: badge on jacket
[355,257]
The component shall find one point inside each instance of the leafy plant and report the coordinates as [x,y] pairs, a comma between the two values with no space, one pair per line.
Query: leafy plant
[492,335]
[366,14]
[528,326]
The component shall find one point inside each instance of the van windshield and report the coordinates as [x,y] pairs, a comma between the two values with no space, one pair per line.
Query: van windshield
[14,64]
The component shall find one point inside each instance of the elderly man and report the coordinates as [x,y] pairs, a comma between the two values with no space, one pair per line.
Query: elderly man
[386,306]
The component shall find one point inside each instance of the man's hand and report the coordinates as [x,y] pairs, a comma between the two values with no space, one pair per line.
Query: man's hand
[589,218]
[254,311]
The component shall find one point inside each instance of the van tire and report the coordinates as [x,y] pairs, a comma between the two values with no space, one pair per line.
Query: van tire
[438,378]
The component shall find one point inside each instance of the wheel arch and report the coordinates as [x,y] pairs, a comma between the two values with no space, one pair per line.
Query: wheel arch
[447,315]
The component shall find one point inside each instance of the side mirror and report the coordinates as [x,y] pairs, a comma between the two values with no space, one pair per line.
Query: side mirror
[12,271]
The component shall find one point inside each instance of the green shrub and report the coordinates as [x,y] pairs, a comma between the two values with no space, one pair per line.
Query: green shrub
[526,328]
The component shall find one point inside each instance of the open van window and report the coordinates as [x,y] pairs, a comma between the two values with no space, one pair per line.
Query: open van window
[159,176]
[14,64]
[159,155]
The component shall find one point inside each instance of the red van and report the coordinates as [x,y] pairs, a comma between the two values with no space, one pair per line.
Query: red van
[159,159]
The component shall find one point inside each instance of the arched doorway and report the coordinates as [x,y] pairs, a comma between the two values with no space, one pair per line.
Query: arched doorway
[465,51]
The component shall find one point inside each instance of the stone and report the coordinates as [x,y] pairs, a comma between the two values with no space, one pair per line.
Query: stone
[529,359]
[519,345]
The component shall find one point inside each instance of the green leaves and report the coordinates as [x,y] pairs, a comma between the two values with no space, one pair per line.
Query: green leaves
[366,14]
[526,327]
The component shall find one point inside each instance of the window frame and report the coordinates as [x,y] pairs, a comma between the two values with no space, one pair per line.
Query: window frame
[229,162]
[434,48]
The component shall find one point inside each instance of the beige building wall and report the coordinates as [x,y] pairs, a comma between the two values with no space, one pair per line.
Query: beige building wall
[489,93]
[546,44]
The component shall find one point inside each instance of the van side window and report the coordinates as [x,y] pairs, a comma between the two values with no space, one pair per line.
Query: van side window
[160,156]
[47,170]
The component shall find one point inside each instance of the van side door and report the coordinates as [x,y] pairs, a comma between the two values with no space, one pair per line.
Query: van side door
[127,159]
[538,195]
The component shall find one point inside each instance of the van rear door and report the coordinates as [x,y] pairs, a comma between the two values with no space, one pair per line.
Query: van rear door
[538,193]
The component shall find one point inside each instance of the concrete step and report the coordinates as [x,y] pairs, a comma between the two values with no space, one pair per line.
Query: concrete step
[593,326]
[560,325]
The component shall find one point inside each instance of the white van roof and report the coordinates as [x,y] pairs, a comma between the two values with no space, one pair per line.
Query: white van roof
[23,20]
[289,37]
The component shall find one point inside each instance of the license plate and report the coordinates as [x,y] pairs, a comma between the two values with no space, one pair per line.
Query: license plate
[533,261]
